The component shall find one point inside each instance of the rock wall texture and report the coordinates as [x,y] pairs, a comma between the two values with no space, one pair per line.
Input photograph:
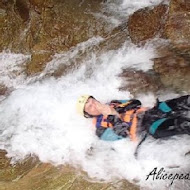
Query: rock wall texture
[43,28]
[31,174]
[173,24]
[147,23]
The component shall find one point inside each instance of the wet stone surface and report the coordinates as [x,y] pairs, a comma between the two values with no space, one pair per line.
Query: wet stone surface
[147,23]
[31,174]
[138,82]
[174,71]
[178,25]
[43,28]
[3,89]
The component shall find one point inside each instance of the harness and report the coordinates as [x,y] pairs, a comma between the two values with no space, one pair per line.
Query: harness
[129,116]
[132,115]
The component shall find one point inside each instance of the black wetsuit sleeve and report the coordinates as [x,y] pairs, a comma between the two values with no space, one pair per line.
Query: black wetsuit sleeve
[119,127]
[171,127]
[181,103]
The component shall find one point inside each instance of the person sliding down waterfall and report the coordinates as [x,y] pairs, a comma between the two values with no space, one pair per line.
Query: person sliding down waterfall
[126,118]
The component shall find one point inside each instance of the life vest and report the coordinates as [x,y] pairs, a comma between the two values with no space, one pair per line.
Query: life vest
[129,116]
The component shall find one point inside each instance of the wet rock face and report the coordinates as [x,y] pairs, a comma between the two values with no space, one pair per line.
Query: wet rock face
[22,7]
[43,28]
[178,25]
[31,174]
[10,172]
[174,68]
[174,71]
[12,27]
[3,89]
[138,82]
[147,23]
[172,23]
[179,5]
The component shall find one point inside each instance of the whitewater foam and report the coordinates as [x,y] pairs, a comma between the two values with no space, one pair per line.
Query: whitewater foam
[12,69]
[40,119]
[120,10]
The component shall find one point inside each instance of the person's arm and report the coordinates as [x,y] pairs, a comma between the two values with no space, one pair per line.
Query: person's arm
[106,109]
[131,104]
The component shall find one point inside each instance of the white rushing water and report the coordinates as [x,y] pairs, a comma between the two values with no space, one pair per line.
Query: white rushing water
[40,118]
[11,69]
[119,10]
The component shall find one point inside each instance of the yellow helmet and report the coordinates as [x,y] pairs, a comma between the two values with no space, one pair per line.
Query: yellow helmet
[81,103]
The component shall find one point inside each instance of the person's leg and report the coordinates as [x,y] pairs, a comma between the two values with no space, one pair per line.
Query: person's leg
[181,103]
[171,127]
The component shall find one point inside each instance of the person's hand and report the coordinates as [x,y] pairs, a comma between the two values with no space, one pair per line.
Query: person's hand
[106,109]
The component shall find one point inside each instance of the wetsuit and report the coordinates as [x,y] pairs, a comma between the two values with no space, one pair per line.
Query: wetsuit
[168,118]
[165,119]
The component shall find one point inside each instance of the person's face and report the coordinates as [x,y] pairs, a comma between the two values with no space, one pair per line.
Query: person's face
[91,107]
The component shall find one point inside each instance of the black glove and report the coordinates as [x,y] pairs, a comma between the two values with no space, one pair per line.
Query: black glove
[119,127]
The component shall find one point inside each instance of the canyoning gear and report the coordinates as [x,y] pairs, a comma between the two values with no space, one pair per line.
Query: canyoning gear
[123,126]
[165,119]
[168,118]
[127,125]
